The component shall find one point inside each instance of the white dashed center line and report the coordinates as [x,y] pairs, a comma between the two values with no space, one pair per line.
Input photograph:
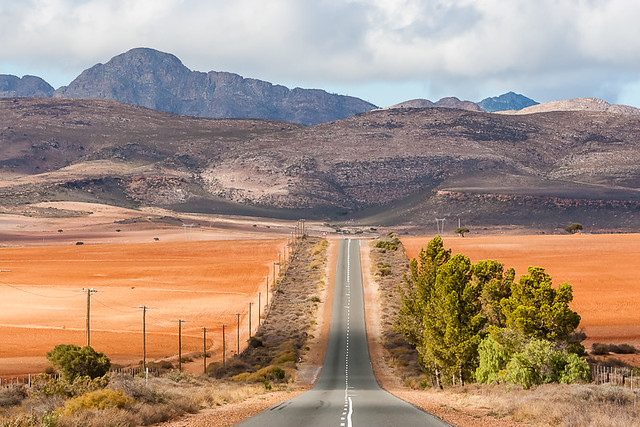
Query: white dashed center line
[348,406]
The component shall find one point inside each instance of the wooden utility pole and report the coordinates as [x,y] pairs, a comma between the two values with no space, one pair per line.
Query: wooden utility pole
[180,322]
[224,349]
[267,277]
[238,351]
[89,292]
[204,349]
[250,320]
[144,336]
[259,307]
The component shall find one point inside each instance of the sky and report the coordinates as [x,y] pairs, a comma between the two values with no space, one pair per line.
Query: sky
[383,51]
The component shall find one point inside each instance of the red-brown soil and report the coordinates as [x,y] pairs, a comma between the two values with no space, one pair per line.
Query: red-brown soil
[602,268]
[205,283]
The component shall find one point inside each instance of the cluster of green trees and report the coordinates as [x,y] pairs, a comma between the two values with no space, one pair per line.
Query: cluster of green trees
[475,322]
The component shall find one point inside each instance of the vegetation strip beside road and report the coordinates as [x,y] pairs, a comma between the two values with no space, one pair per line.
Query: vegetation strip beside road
[497,404]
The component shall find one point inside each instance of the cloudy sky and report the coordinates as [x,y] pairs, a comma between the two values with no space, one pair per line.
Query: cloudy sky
[384,51]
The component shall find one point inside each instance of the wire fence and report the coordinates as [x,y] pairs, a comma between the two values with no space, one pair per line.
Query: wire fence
[617,376]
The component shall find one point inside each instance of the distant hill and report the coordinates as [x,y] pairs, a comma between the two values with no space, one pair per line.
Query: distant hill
[27,86]
[506,101]
[390,166]
[449,102]
[578,104]
[158,80]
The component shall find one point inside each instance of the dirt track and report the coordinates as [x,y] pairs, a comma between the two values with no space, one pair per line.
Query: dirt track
[205,283]
[602,268]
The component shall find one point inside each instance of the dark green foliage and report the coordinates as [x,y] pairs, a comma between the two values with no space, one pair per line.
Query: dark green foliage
[387,245]
[74,361]
[539,311]
[573,228]
[453,319]
[474,320]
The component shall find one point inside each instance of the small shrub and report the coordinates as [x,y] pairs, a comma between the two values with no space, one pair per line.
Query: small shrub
[315,298]
[599,349]
[12,396]
[100,399]
[267,385]
[163,365]
[623,349]
[392,246]
[255,342]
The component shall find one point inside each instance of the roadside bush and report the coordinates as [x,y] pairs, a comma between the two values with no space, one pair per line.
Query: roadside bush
[599,349]
[391,246]
[45,385]
[99,399]
[74,361]
[12,396]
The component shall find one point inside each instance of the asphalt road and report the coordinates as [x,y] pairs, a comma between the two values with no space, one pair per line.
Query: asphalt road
[346,392]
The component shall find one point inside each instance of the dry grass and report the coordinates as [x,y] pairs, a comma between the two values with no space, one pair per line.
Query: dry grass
[165,398]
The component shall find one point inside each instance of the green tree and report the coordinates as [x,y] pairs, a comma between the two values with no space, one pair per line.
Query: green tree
[461,231]
[74,361]
[495,286]
[453,319]
[573,228]
[537,310]
[415,294]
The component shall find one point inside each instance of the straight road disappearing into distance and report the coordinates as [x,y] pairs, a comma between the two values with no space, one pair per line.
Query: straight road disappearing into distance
[346,393]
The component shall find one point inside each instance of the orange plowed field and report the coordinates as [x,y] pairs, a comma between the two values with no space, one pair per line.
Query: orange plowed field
[205,283]
[602,268]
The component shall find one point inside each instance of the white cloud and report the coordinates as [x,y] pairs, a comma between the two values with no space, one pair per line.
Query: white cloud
[466,47]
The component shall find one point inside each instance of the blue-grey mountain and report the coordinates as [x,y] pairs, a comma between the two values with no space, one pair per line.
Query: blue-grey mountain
[27,86]
[158,80]
[505,102]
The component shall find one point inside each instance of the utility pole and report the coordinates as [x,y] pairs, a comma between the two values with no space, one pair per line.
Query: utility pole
[259,307]
[274,272]
[204,349]
[89,292]
[224,349]
[180,322]
[267,277]
[250,320]
[144,336]
[238,351]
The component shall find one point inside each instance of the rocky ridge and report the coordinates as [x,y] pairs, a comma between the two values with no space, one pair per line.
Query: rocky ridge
[395,165]
[158,80]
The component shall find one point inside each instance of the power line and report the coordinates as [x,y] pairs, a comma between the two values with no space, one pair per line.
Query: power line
[37,294]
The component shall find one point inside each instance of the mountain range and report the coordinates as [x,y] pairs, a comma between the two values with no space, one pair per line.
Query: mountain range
[401,165]
[158,80]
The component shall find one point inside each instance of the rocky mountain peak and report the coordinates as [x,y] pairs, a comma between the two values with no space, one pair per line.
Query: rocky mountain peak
[506,101]
[27,86]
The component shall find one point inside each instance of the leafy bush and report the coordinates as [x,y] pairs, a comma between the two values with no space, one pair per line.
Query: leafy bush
[99,399]
[73,361]
[392,245]
[539,363]
[48,386]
